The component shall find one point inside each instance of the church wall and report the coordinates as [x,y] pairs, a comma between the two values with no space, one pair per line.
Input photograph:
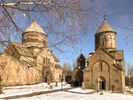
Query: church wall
[97,73]
[87,73]
[34,75]
[117,79]
[13,73]
[115,74]
[16,73]
[49,63]
[58,75]
[123,81]
[109,72]
[86,84]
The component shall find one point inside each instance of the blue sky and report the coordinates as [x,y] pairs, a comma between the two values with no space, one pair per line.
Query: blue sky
[119,14]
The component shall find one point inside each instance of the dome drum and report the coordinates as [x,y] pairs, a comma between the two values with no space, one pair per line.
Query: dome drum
[34,36]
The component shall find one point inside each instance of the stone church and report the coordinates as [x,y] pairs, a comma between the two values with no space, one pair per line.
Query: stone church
[105,66]
[30,62]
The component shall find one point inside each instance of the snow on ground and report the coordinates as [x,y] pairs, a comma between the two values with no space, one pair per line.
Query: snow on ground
[80,90]
[26,89]
[128,88]
[73,96]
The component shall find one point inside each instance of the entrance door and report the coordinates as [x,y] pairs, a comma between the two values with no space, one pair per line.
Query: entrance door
[45,79]
[102,83]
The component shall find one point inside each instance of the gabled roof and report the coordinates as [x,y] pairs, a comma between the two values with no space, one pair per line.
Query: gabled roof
[104,50]
[107,52]
[118,67]
[57,66]
[21,49]
[105,27]
[55,58]
[34,27]
[81,55]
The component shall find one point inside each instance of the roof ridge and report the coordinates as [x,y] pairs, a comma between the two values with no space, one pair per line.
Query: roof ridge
[21,49]
[101,47]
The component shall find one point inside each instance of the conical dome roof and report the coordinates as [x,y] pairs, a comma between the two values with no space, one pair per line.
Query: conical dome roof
[105,27]
[34,27]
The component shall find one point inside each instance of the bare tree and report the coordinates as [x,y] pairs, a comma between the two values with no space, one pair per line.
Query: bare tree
[64,20]
[67,72]
[129,74]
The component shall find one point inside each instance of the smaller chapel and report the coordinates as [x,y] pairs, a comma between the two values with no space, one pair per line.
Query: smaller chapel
[105,66]
[30,62]
[77,73]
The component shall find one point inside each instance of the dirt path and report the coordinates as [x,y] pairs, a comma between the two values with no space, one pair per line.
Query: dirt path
[34,94]
[91,92]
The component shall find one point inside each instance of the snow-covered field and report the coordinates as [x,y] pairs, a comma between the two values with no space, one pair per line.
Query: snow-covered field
[71,94]
[130,89]
[27,89]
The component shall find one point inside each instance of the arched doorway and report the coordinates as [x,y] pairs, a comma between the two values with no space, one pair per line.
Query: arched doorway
[102,83]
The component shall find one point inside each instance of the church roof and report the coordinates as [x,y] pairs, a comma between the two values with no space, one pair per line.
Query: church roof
[80,56]
[22,50]
[34,27]
[102,48]
[55,58]
[57,66]
[105,27]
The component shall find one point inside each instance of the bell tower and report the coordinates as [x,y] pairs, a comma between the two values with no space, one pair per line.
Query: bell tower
[105,37]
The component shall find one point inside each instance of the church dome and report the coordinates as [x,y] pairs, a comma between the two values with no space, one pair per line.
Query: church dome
[105,37]
[34,36]
[105,27]
[34,27]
